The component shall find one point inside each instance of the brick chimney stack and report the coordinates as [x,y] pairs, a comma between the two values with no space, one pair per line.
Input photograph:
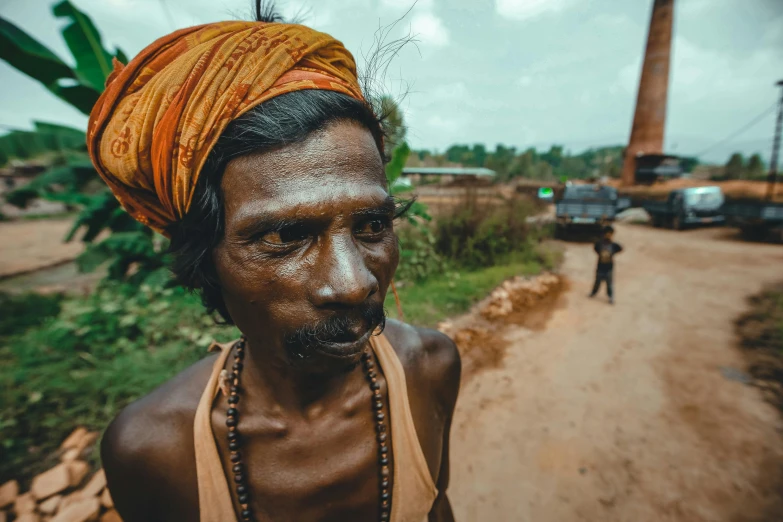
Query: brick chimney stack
[650,116]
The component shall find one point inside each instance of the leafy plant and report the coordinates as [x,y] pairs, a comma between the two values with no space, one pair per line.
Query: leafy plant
[82,365]
[478,234]
[130,249]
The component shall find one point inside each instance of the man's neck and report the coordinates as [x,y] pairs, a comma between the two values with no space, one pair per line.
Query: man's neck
[273,381]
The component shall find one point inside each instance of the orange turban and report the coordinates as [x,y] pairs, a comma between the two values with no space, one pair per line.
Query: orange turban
[151,130]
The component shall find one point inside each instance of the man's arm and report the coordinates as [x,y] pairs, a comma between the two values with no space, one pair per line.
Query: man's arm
[123,457]
[618,248]
[450,365]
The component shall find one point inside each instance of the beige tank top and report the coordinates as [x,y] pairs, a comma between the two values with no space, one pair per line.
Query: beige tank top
[413,490]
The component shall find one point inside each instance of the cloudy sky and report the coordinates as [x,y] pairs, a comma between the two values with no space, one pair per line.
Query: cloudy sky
[519,72]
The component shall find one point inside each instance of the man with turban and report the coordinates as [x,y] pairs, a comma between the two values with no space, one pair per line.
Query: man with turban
[251,146]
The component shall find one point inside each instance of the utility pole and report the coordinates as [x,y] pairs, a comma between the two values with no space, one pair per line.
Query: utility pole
[773,161]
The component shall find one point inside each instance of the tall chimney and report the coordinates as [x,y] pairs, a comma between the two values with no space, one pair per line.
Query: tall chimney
[650,116]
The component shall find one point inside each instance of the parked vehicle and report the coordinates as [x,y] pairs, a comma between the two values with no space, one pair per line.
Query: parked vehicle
[587,207]
[657,167]
[754,217]
[687,207]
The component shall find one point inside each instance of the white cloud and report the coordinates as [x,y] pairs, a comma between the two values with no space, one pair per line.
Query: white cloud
[429,29]
[529,9]
[525,80]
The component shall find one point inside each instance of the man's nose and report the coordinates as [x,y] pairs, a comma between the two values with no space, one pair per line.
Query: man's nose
[342,275]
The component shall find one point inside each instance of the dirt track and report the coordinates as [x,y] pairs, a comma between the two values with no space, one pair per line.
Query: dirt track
[623,413]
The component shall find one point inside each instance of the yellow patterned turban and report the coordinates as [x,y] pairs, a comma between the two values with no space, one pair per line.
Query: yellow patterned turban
[151,130]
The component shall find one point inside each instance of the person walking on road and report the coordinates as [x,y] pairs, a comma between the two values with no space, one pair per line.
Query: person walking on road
[606,250]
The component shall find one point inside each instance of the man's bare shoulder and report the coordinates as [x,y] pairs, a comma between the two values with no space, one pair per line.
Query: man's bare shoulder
[155,433]
[429,356]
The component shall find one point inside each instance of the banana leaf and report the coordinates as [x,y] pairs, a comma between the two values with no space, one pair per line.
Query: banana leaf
[28,56]
[93,62]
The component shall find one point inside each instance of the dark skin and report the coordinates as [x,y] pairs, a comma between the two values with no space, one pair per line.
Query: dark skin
[308,236]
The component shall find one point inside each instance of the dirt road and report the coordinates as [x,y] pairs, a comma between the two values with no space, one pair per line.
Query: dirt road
[32,245]
[624,413]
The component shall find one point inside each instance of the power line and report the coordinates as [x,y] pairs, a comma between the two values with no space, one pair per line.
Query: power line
[747,126]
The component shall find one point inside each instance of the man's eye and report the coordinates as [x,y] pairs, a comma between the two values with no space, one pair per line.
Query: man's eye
[286,235]
[373,227]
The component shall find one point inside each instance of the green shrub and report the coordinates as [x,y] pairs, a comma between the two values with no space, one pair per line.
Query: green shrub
[83,365]
[478,234]
[20,312]
[418,257]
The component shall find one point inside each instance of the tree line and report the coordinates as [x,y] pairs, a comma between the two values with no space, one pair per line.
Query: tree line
[553,164]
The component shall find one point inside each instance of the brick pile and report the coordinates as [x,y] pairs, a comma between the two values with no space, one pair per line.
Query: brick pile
[66,493]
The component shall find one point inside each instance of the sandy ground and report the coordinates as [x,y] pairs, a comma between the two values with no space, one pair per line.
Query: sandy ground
[32,245]
[623,413]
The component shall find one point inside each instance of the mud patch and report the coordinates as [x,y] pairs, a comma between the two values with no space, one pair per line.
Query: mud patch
[761,336]
[480,334]
[760,331]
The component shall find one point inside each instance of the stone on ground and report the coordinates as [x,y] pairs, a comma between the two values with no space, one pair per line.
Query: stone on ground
[85,510]
[8,493]
[51,482]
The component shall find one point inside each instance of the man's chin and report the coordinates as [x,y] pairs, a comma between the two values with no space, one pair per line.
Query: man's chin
[348,351]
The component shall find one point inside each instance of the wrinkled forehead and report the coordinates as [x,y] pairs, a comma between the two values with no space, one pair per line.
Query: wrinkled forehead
[339,162]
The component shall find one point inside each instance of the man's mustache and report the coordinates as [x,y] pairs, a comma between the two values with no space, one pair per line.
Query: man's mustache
[336,329]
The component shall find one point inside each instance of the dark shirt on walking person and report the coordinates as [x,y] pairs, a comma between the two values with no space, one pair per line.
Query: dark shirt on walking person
[606,250]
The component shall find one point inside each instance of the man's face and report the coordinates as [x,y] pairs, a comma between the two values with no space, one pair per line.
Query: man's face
[608,236]
[309,250]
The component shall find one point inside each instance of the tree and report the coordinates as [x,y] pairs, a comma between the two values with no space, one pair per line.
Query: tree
[755,167]
[394,125]
[734,167]
[554,157]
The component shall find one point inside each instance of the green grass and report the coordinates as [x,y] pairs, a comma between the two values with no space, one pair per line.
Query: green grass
[430,301]
[80,366]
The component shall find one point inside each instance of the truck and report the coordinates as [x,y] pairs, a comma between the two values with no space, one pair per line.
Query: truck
[687,207]
[587,207]
[755,218]
[651,168]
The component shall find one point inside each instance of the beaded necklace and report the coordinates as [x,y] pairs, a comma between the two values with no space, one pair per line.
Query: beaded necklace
[232,421]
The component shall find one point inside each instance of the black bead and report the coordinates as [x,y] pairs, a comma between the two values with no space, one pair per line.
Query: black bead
[381,427]
[384,516]
[237,468]
[234,389]
[239,478]
[378,405]
[233,445]
[236,457]
[237,367]
[232,412]
[233,399]
[371,374]
[233,435]
[368,365]
[384,461]
[379,416]
[241,490]
[383,448]
[385,483]
[385,496]
[382,437]
[231,422]
[243,499]
[375,386]
[365,356]
[246,514]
